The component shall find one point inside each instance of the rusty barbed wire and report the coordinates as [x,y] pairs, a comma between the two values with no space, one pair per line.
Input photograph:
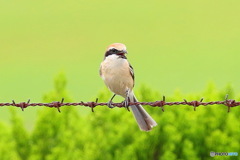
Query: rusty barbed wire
[227,102]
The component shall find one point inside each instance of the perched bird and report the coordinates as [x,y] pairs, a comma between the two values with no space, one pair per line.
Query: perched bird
[118,75]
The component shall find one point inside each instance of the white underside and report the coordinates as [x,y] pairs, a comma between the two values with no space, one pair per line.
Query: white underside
[116,74]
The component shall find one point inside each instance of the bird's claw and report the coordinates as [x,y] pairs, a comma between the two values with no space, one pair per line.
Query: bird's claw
[126,104]
[109,104]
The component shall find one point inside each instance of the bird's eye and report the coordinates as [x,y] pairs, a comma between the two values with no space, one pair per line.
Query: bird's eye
[114,50]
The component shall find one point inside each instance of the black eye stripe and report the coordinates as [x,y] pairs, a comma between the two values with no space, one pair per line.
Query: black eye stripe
[111,52]
[114,51]
[108,53]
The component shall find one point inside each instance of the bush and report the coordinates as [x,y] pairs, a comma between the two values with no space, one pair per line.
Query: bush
[113,133]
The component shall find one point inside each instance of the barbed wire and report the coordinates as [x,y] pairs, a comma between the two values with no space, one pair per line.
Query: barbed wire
[227,102]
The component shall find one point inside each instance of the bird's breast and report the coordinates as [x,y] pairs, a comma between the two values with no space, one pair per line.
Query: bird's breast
[116,74]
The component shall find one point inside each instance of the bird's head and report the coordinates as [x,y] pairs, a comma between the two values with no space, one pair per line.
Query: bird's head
[118,49]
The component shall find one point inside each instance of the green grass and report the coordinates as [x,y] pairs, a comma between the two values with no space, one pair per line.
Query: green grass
[172,44]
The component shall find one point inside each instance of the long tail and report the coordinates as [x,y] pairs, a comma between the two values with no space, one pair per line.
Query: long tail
[144,120]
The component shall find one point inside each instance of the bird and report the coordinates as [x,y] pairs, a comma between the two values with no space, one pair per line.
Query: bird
[118,75]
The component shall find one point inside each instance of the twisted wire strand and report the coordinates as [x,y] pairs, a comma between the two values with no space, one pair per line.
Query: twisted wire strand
[227,102]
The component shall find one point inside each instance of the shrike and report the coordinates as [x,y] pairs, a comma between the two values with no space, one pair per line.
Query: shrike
[118,75]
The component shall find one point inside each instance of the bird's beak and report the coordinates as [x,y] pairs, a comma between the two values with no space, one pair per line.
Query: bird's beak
[125,51]
[122,52]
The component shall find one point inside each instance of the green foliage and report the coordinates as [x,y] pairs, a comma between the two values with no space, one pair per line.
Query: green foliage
[8,150]
[181,133]
[53,135]
[20,136]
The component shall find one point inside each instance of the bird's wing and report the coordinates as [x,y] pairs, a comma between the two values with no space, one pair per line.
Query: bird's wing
[131,72]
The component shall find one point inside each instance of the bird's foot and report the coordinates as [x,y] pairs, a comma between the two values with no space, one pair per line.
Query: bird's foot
[109,104]
[126,103]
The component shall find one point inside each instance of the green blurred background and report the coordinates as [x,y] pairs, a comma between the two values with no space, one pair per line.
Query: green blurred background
[172,45]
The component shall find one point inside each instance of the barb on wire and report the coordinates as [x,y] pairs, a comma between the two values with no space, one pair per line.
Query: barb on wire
[58,104]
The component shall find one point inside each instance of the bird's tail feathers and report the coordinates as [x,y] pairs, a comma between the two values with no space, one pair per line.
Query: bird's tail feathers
[144,120]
